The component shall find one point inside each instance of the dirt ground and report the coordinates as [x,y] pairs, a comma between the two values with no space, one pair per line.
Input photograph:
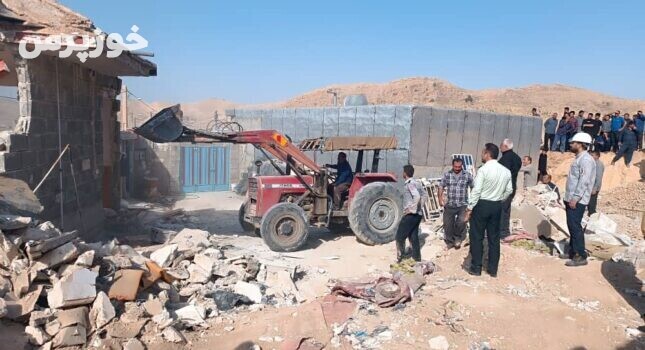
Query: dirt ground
[535,303]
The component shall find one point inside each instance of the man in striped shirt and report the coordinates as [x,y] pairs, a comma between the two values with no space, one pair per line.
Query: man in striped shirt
[492,186]
[453,196]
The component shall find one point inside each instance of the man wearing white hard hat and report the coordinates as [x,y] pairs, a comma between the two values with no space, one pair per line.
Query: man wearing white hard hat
[580,182]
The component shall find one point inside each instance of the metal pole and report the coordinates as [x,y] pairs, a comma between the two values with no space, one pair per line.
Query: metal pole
[60,146]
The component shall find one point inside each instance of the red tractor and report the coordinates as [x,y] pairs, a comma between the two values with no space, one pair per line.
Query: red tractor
[282,208]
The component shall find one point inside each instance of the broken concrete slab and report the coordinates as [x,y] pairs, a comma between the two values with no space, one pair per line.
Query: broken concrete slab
[125,330]
[153,307]
[41,317]
[41,232]
[125,285]
[73,317]
[601,228]
[197,274]
[165,255]
[53,327]
[19,308]
[191,315]
[36,335]
[133,344]
[17,198]
[249,290]
[74,289]
[102,311]
[57,256]
[205,262]
[163,319]
[21,282]
[439,343]
[172,335]
[86,259]
[36,249]
[10,222]
[191,240]
[70,336]
[161,236]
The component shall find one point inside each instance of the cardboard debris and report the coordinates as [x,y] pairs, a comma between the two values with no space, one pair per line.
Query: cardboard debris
[154,273]
[125,285]
[74,289]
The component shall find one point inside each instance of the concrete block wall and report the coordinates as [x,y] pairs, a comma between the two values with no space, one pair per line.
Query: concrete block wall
[437,134]
[84,98]
[302,123]
[427,136]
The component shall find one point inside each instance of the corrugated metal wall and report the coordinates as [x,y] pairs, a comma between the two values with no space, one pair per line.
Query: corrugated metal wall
[427,136]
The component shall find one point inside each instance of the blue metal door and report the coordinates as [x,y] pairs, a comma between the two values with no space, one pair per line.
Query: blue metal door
[205,168]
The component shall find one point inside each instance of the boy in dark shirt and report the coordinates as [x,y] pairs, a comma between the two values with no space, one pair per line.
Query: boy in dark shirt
[546,179]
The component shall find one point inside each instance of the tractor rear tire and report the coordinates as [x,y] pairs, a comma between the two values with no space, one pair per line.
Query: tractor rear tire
[284,227]
[247,227]
[375,213]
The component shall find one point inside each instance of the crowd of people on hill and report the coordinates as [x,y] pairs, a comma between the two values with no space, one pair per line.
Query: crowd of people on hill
[615,132]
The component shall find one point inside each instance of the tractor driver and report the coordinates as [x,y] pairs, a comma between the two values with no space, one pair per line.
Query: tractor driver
[344,178]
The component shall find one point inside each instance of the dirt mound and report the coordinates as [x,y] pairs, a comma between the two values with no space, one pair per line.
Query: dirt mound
[437,92]
[615,175]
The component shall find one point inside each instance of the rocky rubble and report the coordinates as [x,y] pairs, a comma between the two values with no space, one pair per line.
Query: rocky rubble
[109,295]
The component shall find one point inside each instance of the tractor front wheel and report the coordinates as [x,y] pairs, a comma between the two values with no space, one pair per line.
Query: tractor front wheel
[247,227]
[284,227]
[375,212]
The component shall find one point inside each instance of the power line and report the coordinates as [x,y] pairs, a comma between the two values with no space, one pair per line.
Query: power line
[141,100]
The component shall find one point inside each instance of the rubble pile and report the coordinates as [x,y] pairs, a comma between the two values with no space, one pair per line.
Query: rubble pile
[110,295]
[539,220]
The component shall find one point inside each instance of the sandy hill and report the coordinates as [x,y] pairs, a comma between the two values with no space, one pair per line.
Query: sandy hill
[432,91]
[437,92]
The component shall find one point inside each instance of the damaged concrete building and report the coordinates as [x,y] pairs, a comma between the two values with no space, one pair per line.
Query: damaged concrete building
[61,102]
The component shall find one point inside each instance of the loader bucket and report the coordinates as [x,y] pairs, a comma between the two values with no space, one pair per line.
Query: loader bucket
[165,126]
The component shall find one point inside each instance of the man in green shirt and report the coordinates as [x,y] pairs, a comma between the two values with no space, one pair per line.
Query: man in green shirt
[492,186]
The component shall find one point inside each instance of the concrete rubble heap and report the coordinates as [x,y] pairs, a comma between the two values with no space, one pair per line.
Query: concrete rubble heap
[109,295]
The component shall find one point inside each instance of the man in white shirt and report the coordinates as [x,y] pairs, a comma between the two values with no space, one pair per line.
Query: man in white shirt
[492,186]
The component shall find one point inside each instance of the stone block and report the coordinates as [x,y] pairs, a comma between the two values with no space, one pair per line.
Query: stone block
[102,311]
[18,142]
[70,336]
[73,290]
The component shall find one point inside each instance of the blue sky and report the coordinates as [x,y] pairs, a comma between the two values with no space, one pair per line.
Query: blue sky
[262,51]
